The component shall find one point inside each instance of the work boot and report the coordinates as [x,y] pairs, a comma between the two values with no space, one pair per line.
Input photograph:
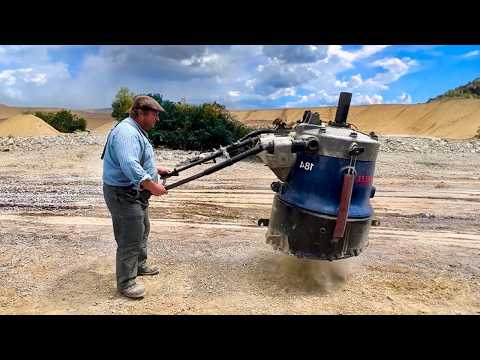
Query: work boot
[147,270]
[135,291]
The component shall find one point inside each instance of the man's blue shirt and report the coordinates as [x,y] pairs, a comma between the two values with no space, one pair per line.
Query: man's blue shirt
[129,157]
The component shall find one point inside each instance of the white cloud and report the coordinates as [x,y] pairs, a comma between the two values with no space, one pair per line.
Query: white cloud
[395,67]
[358,84]
[202,61]
[369,50]
[302,72]
[314,99]
[404,98]
[275,75]
[13,93]
[42,85]
[354,82]
[24,55]
[235,75]
[296,53]
[393,64]
[303,100]
[470,54]
[359,99]
[289,91]
[10,77]
[347,58]
[341,84]
[367,89]
[7,77]
[250,83]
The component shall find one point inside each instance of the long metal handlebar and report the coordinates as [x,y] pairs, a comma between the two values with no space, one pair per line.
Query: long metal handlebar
[212,156]
[295,146]
[255,150]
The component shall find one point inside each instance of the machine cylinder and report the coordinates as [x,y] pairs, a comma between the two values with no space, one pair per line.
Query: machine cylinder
[305,211]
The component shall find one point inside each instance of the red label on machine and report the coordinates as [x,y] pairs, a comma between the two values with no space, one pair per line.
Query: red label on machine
[363,179]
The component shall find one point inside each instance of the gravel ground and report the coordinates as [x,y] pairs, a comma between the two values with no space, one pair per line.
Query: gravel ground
[57,248]
[389,144]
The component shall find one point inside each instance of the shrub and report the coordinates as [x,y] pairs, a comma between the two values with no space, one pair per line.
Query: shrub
[63,121]
[195,127]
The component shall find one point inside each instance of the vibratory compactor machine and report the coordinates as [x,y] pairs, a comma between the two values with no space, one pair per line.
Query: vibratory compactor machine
[321,208]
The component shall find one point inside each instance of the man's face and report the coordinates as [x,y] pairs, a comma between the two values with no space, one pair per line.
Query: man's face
[150,117]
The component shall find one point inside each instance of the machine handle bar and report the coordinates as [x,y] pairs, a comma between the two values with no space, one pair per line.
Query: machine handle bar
[212,156]
[253,151]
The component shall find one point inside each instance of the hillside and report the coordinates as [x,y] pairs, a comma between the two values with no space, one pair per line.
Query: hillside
[455,119]
[467,91]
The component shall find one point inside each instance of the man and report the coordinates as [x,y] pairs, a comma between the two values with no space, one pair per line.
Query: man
[130,177]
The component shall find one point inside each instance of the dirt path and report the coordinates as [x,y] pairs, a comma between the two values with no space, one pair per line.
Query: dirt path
[57,247]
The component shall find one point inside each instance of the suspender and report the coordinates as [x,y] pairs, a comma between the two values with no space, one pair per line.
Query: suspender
[106,142]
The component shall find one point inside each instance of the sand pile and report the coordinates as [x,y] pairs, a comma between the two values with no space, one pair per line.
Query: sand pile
[454,119]
[26,125]
[94,118]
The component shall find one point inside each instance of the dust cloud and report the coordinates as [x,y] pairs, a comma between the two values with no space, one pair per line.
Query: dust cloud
[322,275]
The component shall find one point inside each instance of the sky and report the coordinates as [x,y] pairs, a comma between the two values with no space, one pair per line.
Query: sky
[238,76]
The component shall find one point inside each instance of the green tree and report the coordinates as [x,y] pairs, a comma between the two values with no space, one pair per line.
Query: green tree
[123,101]
[63,121]
[195,127]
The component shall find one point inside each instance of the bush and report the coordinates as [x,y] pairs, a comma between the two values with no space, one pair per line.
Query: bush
[195,127]
[64,121]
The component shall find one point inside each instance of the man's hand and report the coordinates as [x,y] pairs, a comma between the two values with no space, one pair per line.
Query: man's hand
[163,170]
[154,188]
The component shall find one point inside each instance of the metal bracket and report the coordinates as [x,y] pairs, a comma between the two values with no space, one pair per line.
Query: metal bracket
[263,222]
[224,151]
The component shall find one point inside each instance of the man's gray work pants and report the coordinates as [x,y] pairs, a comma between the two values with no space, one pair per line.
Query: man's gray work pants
[131,226]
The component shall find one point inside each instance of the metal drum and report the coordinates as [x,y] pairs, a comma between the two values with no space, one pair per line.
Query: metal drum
[321,209]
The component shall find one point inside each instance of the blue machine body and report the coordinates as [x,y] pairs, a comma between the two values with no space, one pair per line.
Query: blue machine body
[315,184]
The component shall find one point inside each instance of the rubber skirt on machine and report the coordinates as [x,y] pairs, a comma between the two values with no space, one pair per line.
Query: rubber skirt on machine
[305,234]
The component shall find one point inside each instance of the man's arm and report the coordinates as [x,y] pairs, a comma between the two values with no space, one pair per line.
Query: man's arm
[128,150]
[153,187]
